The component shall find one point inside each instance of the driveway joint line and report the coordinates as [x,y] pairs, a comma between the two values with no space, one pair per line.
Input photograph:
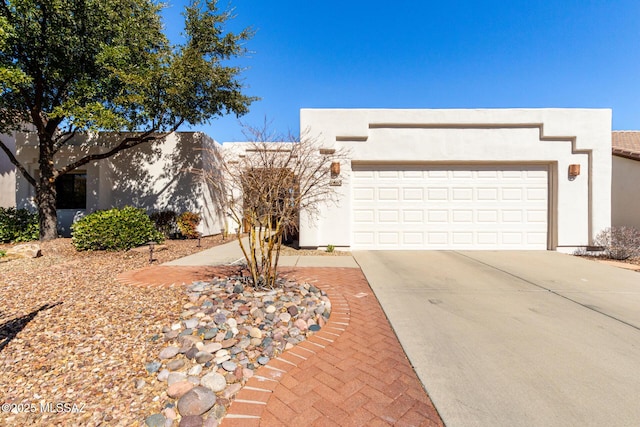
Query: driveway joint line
[551,291]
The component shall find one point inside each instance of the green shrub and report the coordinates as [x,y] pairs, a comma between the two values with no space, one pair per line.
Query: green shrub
[330,248]
[187,224]
[18,225]
[165,222]
[114,229]
[3,253]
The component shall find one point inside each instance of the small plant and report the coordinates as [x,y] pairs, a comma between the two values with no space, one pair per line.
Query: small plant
[165,222]
[619,243]
[3,253]
[188,224]
[330,248]
[18,225]
[114,229]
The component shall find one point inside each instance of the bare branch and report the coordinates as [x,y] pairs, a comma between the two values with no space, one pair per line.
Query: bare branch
[125,144]
[18,165]
[266,185]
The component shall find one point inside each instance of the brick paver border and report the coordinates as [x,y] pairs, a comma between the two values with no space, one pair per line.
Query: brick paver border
[351,373]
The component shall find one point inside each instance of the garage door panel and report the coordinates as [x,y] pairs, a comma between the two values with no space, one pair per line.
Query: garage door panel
[364,193]
[450,207]
[465,194]
[388,216]
[413,194]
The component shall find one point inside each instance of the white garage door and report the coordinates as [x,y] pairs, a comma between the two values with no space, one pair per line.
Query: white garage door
[449,207]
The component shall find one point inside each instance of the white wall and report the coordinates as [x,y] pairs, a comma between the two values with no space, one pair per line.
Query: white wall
[7,174]
[625,202]
[557,137]
[156,177]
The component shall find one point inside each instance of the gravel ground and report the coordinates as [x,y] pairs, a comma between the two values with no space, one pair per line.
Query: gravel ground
[73,341]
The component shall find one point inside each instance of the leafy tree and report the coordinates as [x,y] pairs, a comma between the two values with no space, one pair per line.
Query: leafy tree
[71,66]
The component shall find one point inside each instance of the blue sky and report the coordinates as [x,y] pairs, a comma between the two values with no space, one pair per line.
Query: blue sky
[434,54]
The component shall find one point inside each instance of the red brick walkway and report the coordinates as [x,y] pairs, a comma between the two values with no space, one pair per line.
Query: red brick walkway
[351,373]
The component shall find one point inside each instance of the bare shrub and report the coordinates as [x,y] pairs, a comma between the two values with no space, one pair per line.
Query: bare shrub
[619,242]
[266,183]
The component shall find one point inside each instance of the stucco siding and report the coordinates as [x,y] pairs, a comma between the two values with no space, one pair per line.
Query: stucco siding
[625,200]
[578,206]
[156,177]
[7,174]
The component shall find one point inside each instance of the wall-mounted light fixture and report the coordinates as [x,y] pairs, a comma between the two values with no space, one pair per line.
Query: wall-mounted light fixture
[335,169]
[574,170]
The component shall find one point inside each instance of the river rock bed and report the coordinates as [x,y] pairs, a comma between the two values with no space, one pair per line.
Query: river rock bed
[226,332]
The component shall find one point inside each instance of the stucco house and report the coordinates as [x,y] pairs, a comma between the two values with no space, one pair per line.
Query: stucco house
[492,179]
[625,179]
[535,179]
[157,177]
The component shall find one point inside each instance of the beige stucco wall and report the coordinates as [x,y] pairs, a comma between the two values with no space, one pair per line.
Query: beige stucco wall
[557,137]
[7,174]
[625,197]
[156,177]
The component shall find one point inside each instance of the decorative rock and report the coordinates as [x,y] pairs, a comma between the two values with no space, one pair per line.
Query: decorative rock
[229,366]
[219,411]
[169,352]
[301,324]
[171,335]
[191,421]
[231,391]
[155,420]
[214,382]
[210,333]
[212,347]
[178,389]
[196,370]
[139,384]
[163,375]
[221,359]
[175,377]
[203,357]
[228,343]
[230,330]
[170,413]
[174,365]
[191,323]
[152,367]
[285,317]
[196,401]
[25,250]
[191,353]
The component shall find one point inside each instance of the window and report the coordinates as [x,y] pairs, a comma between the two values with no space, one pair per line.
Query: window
[71,191]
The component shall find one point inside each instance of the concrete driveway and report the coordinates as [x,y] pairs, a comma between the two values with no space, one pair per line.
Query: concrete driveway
[515,338]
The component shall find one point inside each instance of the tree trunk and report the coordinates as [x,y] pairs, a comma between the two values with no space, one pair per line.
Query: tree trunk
[46,199]
[47,214]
